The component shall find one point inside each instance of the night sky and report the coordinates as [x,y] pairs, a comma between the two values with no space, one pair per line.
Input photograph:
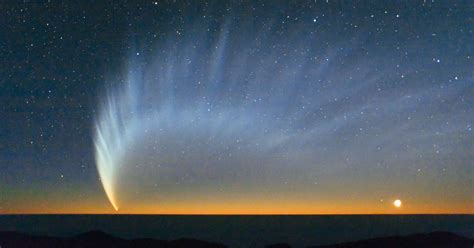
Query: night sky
[267,107]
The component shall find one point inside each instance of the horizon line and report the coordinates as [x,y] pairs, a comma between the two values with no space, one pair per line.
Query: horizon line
[257,214]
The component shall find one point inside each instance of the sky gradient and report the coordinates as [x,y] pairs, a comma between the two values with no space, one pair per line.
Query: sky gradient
[237,108]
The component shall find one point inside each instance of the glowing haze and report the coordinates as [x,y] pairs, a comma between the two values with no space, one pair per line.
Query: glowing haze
[247,113]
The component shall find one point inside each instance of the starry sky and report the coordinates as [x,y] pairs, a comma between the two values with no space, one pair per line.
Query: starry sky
[252,107]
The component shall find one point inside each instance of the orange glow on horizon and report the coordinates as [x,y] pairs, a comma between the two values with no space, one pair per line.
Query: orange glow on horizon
[28,202]
[233,208]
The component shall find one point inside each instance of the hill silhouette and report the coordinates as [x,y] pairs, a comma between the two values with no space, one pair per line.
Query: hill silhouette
[99,239]
[96,239]
[431,240]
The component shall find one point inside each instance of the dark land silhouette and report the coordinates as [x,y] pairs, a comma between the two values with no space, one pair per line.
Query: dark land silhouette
[432,240]
[95,239]
[98,239]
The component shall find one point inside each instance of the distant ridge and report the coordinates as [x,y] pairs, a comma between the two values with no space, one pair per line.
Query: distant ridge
[431,240]
[99,239]
[95,239]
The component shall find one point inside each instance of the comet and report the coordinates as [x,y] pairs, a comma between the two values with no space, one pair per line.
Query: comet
[212,113]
